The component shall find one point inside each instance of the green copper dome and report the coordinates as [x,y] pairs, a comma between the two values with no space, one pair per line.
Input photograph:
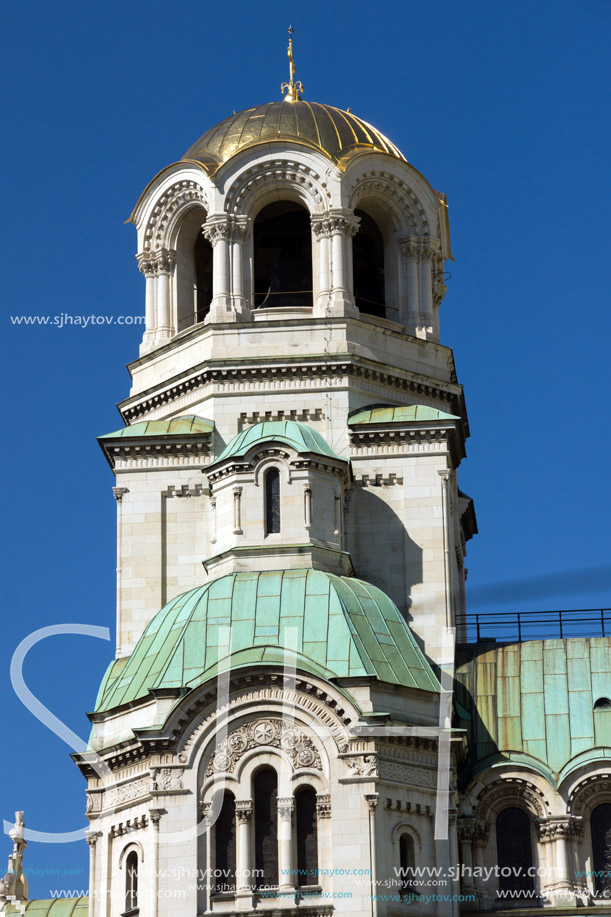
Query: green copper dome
[343,627]
[300,436]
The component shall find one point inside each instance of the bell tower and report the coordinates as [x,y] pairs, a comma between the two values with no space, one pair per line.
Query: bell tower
[294,272]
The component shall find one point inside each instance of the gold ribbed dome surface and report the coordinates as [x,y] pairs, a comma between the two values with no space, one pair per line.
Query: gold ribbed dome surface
[329,130]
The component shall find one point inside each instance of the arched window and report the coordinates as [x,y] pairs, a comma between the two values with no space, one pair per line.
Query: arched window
[131,882]
[407,862]
[307,837]
[225,846]
[265,786]
[272,502]
[202,254]
[514,852]
[602,703]
[282,256]
[368,267]
[600,827]
[193,272]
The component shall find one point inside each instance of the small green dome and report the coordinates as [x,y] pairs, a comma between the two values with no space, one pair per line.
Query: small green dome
[343,627]
[300,436]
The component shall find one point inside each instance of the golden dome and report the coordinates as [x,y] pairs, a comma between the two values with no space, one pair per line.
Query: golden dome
[329,130]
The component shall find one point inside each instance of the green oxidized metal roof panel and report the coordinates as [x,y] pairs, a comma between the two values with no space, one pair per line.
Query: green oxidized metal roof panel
[186,425]
[300,436]
[340,627]
[51,907]
[407,413]
[558,682]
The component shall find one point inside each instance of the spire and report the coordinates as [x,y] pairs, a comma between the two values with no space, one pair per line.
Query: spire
[292,89]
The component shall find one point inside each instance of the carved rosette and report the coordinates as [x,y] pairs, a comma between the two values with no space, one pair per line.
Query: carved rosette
[264,733]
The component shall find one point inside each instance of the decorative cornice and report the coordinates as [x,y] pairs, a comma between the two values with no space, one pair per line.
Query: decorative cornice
[397,439]
[323,374]
[140,453]
[132,824]
[407,807]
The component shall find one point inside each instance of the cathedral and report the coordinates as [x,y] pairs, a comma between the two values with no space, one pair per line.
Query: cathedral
[298,719]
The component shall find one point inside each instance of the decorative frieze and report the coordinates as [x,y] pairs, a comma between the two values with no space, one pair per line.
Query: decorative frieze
[166,779]
[264,733]
[362,766]
[408,774]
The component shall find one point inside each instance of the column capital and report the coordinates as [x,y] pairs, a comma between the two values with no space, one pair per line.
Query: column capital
[217,228]
[286,807]
[119,492]
[342,222]
[165,259]
[155,815]
[243,810]
[146,264]
[323,805]
[372,801]
[91,837]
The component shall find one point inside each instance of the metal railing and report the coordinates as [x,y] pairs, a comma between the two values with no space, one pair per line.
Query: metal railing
[517,626]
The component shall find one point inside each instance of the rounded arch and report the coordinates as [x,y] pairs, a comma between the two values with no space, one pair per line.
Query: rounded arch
[511,791]
[373,263]
[131,846]
[169,211]
[588,793]
[193,273]
[404,827]
[273,180]
[392,200]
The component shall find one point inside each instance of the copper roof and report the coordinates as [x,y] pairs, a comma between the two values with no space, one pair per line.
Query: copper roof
[321,127]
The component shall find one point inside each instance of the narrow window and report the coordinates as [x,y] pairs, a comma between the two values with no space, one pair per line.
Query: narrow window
[272,501]
[131,882]
[266,828]
[307,837]
[407,861]
[514,852]
[600,826]
[202,255]
[225,846]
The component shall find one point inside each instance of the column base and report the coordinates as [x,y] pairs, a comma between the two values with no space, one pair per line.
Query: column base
[228,310]
[341,303]
[244,900]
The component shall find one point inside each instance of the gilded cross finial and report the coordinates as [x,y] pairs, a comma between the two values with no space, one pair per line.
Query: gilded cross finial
[292,89]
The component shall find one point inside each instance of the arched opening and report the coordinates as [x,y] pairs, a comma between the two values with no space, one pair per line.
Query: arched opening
[131,882]
[282,256]
[272,502]
[225,846]
[368,267]
[202,294]
[265,790]
[514,852]
[600,828]
[307,837]
[193,274]
[407,862]
[602,703]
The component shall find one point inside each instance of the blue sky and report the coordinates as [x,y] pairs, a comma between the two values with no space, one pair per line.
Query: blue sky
[502,106]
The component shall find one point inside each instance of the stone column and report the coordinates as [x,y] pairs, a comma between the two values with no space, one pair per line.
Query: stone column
[322,233]
[237,510]
[410,311]
[91,838]
[480,842]
[155,816]
[239,229]
[343,227]
[147,266]
[286,878]
[243,811]
[426,291]
[164,264]
[372,803]
[466,835]
[118,494]
[217,231]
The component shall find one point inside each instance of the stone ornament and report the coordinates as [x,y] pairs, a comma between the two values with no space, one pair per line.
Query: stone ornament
[264,733]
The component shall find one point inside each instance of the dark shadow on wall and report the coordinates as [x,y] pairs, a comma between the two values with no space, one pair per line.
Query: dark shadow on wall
[380,547]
